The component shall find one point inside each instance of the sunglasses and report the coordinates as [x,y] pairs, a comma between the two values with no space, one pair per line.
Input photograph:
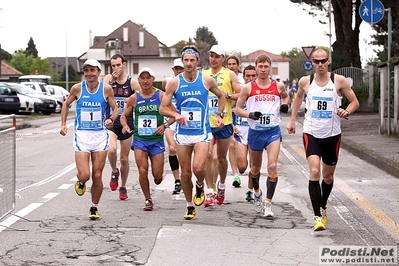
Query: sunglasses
[318,61]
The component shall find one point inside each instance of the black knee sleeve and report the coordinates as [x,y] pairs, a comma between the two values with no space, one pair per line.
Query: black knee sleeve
[173,162]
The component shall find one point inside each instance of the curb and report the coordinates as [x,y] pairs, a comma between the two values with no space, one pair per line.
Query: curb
[370,156]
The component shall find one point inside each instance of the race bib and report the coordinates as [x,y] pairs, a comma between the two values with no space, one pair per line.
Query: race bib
[91,118]
[322,107]
[147,124]
[193,117]
[213,103]
[264,122]
[120,103]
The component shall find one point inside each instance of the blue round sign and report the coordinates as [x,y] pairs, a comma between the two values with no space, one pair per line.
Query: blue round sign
[307,65]
[371,11]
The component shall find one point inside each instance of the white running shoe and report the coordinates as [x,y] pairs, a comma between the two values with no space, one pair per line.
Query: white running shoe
[258,203]
[267,210]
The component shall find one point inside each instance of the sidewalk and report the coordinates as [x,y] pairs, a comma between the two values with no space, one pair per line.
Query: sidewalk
[360,136]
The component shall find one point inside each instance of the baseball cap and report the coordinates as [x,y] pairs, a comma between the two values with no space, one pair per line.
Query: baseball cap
[217,49]
[277,77]
[177,63]
[92,62]
[147,69]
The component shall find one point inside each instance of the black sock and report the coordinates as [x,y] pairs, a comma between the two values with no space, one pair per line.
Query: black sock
[271,187]
[326,190]
[315,196]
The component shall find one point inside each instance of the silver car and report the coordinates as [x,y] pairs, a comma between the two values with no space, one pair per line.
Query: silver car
[59,94]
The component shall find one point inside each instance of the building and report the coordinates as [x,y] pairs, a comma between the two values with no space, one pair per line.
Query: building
[280,64]
[57,64]
[141,49]
[8,73]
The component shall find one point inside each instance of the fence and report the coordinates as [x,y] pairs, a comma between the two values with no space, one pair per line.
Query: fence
[8,166]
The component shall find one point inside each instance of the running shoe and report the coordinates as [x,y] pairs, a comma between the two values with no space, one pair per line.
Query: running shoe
[249,195]
[123,193]
[258,203]
[148,206]
[210,199]
[93,214]
[323,215]
[267,210]
[236,181]
[199,196]
[220,195]
[190,213]
[177,187]
[80,188]
[113,184]
[318,224]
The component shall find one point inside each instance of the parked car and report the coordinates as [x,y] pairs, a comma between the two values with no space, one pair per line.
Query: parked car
[40,87]
[9,101]
[42,103]
[27,103]
[59,94]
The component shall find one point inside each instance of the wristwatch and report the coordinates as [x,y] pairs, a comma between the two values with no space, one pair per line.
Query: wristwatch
[166,125]
[347,113]
[228,95]
[221,114]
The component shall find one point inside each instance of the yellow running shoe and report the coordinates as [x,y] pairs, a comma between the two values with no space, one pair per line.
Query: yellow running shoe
[199,196]
[80,188]
[93,214]
[149,205]
[323,215]
[318,224]
[190,213]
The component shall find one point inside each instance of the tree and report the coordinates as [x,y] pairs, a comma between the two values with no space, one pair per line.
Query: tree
[6,56]
[40,66]
[297,58]
[72,75]
[29,65]
[345,50]
[204,40]
[21,62]
[381,37]
[31,48]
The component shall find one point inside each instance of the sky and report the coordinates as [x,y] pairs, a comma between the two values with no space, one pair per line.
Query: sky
[62,28]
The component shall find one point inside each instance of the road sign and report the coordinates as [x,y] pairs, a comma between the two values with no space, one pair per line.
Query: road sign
[371,11]
[308,51]
[307,65]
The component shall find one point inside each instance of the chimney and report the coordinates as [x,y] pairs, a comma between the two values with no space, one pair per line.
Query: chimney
[141,38]
[125,34]
[90,39]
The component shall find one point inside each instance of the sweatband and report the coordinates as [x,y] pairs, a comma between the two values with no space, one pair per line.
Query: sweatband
[190,51]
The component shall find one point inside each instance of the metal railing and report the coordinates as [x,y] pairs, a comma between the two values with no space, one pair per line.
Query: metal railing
[7,165]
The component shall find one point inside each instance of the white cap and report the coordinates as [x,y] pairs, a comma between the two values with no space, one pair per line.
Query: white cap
[177,63]
[217,50]
[92,62]
[277,77]
[147,69]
